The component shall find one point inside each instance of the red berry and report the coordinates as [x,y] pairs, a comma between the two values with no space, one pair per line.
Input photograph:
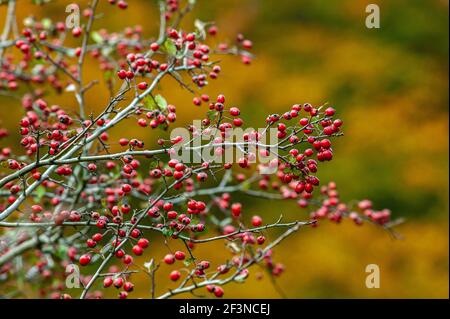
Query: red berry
[97,237]
[143,242]
[260,240]
[123,141]
[236,209]
[197,101]
[85,259]
[247,44]
[179,255]
[76,32]
[142,85]
[218,291]
[256,221]
[330,111]
[234,111]
[169,259]
[190,37]
[118,282]
[123,294]
[126,188]
[107,282]
[154,46]
[175,275]
[36,209]
[328,130]
[304,121]
[221,99]
[122,74]
[128,286]
[137,250]
[122,4]
[237,122]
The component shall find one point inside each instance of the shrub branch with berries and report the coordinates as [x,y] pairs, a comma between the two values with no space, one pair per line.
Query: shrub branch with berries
[71,195]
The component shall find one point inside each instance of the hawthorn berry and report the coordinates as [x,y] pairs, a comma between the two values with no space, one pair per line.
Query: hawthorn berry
[137,250]
[85,259]
[169,259]
[179,255]
[142,85]
[175,275]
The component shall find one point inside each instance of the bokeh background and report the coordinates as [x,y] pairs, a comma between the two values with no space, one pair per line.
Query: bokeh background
[389,85]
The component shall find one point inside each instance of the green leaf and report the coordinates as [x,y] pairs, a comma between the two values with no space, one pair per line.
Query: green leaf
[211,114]
[150,265]
[97,37]
[167,232]
[61,252]
[40,192]
[155,103]
[153,163]
[149,103]
[161,101]
[46,23]
[200,26]
[169,47]
[188,262]
[245,185]
[71,133]
[291,159]
[108,75]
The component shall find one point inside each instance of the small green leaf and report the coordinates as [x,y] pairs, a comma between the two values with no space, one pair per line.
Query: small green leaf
[40,192]
[161,101]
[71,133]
[211,114]
[155,103]
[153,163]
[46,23]
[97,37]
[167,232]
[149,103]
[150,266]
[291,159]
[188,262]
[108,75]
[287,170]
[169,47]
[61,252]
[245,186]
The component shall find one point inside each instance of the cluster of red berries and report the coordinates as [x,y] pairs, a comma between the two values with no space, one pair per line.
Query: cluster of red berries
[119,280]
[332,208]
[158,118]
